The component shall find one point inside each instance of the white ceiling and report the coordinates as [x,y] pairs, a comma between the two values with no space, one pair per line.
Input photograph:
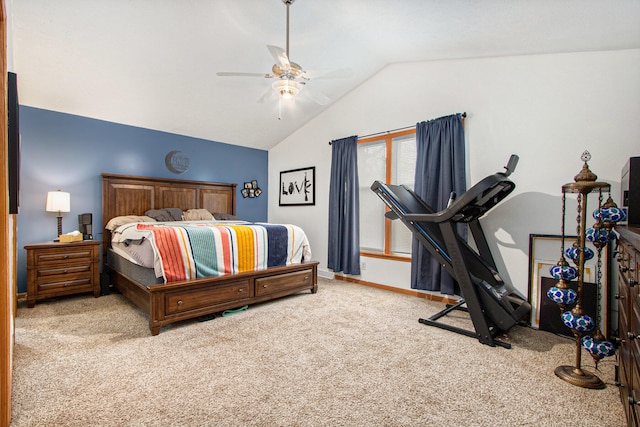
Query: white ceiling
[153,63]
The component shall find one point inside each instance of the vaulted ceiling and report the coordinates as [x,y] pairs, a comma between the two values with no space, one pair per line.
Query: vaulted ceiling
[153,63]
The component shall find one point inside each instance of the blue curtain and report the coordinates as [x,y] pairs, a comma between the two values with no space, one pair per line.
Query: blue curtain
[440,169]
[344,207]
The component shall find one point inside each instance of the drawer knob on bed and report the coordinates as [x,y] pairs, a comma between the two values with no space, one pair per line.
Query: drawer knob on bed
[265,286]
[179,302]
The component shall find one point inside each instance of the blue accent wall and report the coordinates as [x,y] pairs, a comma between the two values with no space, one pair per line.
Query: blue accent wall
[68,152]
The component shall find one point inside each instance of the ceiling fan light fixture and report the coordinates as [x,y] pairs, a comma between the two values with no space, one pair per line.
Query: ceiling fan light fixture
[286,89]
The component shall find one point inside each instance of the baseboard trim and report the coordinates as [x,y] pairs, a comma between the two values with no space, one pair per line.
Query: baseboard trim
[326,274]
[428,296]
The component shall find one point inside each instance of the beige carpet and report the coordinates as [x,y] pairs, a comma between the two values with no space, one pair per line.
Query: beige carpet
[349,355]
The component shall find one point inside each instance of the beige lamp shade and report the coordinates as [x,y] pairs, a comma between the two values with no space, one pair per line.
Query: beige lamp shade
[58,201]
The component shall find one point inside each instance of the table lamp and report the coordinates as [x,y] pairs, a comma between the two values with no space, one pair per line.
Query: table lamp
[58,201]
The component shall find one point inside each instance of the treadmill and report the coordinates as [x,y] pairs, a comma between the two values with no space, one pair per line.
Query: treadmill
[493,305]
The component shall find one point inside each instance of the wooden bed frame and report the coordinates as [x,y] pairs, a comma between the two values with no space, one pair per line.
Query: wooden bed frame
[172,302]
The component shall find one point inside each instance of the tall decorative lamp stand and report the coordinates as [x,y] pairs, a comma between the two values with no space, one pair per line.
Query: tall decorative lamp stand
[600,234]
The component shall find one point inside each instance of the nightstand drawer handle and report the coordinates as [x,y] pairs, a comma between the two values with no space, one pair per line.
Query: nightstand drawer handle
[265,286]
[179,302]
[65,256]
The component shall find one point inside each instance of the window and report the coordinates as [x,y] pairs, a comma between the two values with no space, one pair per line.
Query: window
[390,158]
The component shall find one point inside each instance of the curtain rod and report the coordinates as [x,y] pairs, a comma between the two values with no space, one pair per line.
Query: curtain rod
[396,130]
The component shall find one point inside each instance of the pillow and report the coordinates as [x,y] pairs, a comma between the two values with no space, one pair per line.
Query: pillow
[197,215]
[126,219]
[165,214]
[225,217]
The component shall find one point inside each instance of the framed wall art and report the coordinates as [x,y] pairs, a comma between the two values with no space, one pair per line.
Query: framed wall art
[544,252]
[251,189]
[298,187]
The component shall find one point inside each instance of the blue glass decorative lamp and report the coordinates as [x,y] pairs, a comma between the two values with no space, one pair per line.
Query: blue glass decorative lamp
[575,319]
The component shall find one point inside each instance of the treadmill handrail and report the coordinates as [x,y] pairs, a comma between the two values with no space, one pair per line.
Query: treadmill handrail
[447,214]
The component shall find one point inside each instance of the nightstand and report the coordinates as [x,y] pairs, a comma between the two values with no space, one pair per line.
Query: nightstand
[56,269]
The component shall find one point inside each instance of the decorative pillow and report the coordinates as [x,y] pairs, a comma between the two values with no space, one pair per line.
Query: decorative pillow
[165,214]
[126,219]
[197,215]
[224,217]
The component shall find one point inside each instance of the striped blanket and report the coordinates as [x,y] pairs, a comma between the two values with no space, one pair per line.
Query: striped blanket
[185,251]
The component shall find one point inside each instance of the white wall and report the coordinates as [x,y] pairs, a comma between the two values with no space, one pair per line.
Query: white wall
[546,108]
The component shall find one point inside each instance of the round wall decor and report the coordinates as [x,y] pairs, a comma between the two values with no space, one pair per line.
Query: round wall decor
[176,161]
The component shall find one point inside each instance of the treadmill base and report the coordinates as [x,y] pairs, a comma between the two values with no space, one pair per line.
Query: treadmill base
[433,321]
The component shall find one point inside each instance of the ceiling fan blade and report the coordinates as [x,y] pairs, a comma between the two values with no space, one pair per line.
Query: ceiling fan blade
[340,73]
[317,97]
[280,56]
[267,96]
[234,74]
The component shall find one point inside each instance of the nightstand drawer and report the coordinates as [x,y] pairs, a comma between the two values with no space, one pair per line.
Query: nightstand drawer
[72,284]
[67,270]
[44,256]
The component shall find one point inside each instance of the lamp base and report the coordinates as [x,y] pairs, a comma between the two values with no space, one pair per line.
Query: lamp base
[59,225]
[577,376]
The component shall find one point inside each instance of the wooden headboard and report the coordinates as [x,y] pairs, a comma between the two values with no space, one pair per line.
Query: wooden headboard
[134,195]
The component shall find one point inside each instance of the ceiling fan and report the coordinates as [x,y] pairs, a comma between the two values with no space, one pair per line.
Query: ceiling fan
[290,78]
